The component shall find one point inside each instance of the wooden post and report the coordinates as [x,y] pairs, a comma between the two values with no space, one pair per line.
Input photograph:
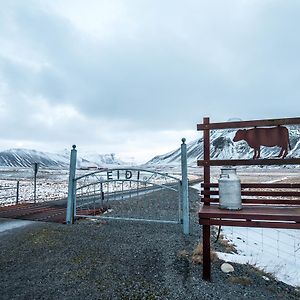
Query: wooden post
[206,228]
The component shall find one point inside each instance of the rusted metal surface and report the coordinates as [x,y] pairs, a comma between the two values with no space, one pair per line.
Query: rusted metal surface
[248,124]
[34,212]
[53,211]
[269,137]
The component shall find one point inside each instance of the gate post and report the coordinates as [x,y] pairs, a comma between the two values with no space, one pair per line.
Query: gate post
[71,187]
[185,189]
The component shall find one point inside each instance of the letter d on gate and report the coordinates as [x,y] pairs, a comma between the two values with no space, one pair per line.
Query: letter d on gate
[128,174]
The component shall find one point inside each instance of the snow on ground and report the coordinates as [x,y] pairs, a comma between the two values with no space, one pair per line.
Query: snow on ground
[275,251]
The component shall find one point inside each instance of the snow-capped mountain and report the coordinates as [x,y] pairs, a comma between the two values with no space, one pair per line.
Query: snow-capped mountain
[26,157]
[223,147]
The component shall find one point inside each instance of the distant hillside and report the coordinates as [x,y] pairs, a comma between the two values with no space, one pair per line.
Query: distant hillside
[26,157]
[223,147]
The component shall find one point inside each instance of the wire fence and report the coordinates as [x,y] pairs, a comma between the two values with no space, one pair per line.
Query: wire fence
[275,250]
[17,186]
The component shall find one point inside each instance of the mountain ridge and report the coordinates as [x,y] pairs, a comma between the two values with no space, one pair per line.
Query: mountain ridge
[223,147]
[18,157]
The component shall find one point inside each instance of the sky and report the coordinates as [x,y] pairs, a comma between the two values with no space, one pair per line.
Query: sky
[132,77]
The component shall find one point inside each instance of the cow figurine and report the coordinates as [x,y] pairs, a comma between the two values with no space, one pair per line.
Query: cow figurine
[256,137]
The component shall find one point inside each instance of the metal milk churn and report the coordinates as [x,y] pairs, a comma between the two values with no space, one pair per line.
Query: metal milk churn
[229,189]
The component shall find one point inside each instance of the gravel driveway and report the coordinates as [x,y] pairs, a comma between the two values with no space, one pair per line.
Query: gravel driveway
[120,260]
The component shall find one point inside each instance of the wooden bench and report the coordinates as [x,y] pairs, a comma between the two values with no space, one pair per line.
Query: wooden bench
[270,205]
[267,205]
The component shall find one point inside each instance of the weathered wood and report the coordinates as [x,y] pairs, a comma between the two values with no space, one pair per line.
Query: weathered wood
[259,193]
[261,185]
[262,201]
[247,124]
[249,162]
[206,228]
[252,213]
[241,223]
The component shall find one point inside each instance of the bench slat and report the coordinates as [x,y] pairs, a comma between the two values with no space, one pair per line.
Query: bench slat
[260,201]
[252,213]
[259,193]
[259,224]
[259,185]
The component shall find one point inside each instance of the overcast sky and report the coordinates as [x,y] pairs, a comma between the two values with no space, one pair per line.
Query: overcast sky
[133,77]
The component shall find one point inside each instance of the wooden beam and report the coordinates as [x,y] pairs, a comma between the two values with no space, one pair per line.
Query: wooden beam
[247,162]
[246,124]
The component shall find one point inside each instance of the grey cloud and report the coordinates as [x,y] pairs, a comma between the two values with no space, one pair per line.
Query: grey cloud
[184,61]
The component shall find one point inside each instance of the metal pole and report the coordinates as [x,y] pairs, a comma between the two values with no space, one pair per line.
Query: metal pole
[185,189]
[71,188]
[180,202]
[102,195]
[17,196]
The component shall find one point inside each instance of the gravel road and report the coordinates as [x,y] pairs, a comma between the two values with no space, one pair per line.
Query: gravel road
[121,260]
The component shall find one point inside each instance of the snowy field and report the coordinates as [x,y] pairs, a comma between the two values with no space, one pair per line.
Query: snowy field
[51,184]
[276,251]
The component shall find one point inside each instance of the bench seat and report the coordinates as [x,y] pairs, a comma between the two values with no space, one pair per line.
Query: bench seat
[251,216]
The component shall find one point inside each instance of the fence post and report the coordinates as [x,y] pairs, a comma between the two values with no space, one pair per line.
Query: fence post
[35,170]
[185,189]
[71,188]
[17,195]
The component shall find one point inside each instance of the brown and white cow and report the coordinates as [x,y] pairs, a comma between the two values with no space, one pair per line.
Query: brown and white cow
[256,137]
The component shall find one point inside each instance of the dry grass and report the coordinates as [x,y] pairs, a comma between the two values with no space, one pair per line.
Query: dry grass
[183,254]
[260,272]
[228,247]
[197,256]
[240,280]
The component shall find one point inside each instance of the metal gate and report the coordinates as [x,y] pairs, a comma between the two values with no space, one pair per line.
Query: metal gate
[129,194]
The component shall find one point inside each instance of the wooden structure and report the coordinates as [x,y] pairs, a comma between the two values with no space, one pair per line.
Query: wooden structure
[264,205]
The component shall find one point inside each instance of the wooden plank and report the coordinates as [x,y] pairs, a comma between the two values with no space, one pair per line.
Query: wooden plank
[247,162]
[206,154]
[247,124]
[258,193]
[261,185]
[252,213]
[206,229]
[245,223]
[262,201]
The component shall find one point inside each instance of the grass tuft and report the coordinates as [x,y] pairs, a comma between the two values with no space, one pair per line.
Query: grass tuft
[197,257]
[243,280]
